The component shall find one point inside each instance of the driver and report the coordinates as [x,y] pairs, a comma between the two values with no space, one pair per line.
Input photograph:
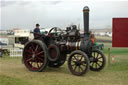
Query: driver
[36,30]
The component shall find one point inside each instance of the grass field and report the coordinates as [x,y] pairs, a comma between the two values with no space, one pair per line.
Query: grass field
[13,72]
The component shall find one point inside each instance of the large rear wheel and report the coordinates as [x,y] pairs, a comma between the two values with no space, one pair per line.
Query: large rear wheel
[35,55]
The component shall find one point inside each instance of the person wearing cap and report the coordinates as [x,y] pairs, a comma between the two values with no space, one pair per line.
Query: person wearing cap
[36,30]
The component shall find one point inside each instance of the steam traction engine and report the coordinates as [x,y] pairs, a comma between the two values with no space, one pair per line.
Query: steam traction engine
[51,49]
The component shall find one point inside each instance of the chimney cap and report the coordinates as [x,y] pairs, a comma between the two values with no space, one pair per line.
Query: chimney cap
[86,9]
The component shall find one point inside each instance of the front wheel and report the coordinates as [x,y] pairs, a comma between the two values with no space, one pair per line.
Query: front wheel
[78,63]
[97,60]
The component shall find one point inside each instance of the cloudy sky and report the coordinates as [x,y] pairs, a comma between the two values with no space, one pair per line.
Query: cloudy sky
[25,14]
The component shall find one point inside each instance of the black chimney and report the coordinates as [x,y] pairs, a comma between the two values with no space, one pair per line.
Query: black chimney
[86,19]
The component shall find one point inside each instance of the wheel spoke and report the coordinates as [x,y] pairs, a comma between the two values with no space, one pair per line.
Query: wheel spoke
[32,46]
[75,67]
[75,57]
[97,55]
[81,68]
[100,61]
[98,64]
[38,65]
[83,65]
[81,58]
[40,59]
[36,48]
[29,59]
[73,61]
[83,62]
[29,55]
[31,49]
[40,53]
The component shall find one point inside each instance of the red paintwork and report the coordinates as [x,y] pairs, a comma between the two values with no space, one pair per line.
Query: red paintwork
[120,32]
